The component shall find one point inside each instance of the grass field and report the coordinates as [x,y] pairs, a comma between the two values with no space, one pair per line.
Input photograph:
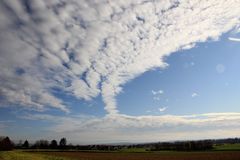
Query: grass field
[213,155]
[20,155]
[227,147]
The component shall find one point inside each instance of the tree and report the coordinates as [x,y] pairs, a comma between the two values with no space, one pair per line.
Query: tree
[25,144]
[63,143]
[53,144]
[6,144]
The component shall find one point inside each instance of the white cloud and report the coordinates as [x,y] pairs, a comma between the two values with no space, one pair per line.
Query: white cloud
[90,129]
[194,95]
[162,109]
[234,39]
[157,92]
[86,48]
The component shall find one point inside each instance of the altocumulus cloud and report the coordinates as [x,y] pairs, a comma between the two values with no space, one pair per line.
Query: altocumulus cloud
[87,48]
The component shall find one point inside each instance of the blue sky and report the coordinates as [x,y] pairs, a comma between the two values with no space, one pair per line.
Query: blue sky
[189,71]
[119,71]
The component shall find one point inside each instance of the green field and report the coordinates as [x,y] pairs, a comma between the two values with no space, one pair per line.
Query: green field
[220,152]
[227,147]
[20,155]
[222,147]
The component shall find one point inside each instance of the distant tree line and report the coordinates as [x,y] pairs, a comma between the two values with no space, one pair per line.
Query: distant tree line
[7,144]
[228,140]
[183,146]
[44,144]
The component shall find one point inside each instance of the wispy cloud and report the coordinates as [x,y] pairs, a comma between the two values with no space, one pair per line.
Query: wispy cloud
[84,49]
[234,39]
[194,95]
[142,128]
[157,92]
[162,109]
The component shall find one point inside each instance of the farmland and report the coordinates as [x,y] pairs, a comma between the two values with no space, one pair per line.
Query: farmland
[227,147]
[150,155]
[219,151]
[78,155]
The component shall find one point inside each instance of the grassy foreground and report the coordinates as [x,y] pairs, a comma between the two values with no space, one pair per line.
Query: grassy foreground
[19,155]
[76,155]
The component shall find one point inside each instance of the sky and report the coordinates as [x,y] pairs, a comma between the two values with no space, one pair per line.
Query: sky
[106,71]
